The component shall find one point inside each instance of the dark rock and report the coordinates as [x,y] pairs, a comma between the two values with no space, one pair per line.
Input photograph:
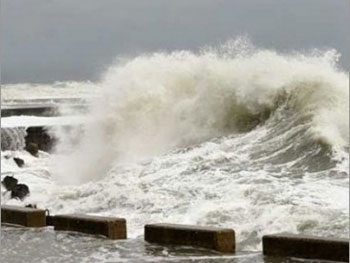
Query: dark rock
[9,182]
[32,148]
[19,161]
[20,191]
[41,137]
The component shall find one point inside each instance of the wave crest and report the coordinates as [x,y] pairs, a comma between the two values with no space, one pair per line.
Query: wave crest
[155,102]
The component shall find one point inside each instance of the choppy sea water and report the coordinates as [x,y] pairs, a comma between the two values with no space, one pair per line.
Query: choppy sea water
[46,245]
[235,137]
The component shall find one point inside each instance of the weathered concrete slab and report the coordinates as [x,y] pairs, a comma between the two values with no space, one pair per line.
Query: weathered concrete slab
[30,110]
[28,217]
[308,247]
[111,227]
[220,239]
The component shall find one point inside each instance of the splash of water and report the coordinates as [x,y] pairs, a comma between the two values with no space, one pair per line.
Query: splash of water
[13,139]
[161,101]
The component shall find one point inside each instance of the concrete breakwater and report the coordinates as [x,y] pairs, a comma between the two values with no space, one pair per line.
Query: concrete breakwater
[41,110]
[111,227]
[23,216]
[309,247]
[219,239]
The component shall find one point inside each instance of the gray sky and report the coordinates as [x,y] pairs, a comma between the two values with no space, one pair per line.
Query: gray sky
[58,40]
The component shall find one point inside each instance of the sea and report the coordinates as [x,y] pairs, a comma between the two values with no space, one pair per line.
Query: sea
[230,136]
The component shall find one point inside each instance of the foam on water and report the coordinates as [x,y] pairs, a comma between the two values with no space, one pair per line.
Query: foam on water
[12,138]
[234,136]
[157,102]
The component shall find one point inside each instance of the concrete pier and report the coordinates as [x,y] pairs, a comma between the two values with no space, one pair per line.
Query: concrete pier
[111,227]
[219,239]
[23,216]
[42,108]
[308,247]
[30,110]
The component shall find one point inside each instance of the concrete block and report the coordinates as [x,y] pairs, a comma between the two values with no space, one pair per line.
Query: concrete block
[28,217]
[111,227]
[308,247]
[30,110]
[220,239]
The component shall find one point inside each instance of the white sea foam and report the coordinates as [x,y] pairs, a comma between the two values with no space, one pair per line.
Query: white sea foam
[161,101]
[30,121]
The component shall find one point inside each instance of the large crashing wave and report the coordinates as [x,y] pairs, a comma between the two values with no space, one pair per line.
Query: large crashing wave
[157,102]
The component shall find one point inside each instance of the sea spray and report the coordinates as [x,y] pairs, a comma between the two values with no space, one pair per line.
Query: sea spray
[162,101]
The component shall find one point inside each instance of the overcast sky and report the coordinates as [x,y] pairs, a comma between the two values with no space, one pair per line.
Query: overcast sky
[58,40]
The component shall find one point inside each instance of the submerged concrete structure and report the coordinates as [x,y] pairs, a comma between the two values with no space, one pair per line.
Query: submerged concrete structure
[43,108]
[23,216]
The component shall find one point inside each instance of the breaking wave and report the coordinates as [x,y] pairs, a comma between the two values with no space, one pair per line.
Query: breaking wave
[162,101]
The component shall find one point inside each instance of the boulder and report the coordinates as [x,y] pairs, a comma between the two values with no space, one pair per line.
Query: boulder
[32,148]
[20,191]
[19,161]
[9,182]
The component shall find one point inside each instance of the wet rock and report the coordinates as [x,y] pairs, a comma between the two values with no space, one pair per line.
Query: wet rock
[19,161]
[219,239]
[20,191]
[9,182]
[32,148]
[41,137]
[27,217]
